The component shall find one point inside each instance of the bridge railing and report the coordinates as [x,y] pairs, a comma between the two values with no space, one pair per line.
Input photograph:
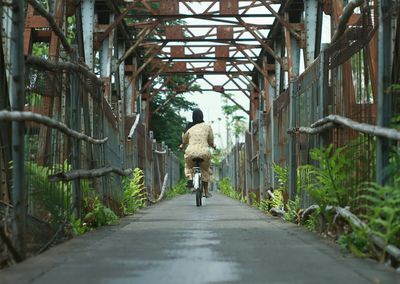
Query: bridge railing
[63,170]
[320,107]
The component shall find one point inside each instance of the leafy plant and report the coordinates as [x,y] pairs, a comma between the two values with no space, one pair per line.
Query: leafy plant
[292,210]
[282,176]
[313,221]
[381,205]
[98,215]
[225,186]
[51,199]
[178,189]
[275,202]
[332,180]
[357,242]
[78,227]
[134,196]
[264,205]
[253,199]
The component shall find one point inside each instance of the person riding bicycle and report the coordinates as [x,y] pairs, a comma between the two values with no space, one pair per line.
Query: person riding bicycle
[198,137]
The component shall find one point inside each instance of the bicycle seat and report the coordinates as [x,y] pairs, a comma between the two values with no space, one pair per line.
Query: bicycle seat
[197,160]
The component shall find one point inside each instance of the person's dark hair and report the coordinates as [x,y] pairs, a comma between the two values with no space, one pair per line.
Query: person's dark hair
[197,117]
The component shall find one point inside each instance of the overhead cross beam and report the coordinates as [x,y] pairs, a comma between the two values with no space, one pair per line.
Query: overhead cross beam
[231,48]
[142,35]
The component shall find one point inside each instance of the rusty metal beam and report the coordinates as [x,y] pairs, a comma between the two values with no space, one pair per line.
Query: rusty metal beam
[235,102]
[148,83]
[281,20]
[198,16]
[200,39]
[258,67]
[235,73]
[147,62]
[206,58]
[112,26]
[261,41]
[231,79]
[142,25]
[142,35]
[52,22]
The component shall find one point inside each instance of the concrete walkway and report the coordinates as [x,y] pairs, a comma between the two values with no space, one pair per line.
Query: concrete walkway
[221,242]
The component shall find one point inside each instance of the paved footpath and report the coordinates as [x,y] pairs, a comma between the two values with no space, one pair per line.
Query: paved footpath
[175,242]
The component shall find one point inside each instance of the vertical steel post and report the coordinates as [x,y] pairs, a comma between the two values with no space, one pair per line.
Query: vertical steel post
[273,138]
[292,142]
[87,9]
[246,169]
[122,135]
[17,89]
[322,91]
[278,69]
[385,55]
[75,124]
[261,152]
[311,29]
[295,54]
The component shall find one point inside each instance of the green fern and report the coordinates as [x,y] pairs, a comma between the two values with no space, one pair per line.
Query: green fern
[357,242]
[78,227]
[381,205]
[134,196]
[312,223]
[253,199]
[97,214]
[292,210]
[179,189]
[51,198]
[332,181]
[282,176]
[276,202]
[226,188]
[264,205]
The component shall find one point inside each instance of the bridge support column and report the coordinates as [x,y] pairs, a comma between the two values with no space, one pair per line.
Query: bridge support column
[17,88]
[385,59]
[313,24]
[293,51]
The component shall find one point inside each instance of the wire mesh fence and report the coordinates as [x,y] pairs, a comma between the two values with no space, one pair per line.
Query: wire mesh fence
[69,97]
[342,80]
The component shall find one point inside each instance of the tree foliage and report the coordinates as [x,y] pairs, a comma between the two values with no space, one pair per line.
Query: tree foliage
[235,123]
[167,124]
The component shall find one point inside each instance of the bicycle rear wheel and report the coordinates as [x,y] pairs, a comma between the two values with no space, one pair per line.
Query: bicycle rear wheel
[198,187]
[198,197]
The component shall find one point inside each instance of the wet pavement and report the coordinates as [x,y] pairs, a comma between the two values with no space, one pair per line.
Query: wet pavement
[175,242]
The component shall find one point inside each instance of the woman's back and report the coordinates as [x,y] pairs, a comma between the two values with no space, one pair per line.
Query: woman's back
[199,136]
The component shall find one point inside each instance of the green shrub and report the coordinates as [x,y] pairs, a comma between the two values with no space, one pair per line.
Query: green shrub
[282,175]
[332,181]
[134,196]
[98,214]
[313,221]
[78,227]
[381,207]
[253,199]
[292,210]
[357,242]
[179,189]
[52,200]
[275,202]
[225,186]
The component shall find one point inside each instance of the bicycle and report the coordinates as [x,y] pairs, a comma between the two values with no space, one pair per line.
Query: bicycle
[197,182]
